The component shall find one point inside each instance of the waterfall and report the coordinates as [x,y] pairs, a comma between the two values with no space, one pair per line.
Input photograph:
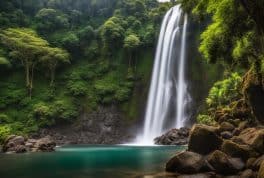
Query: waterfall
[168,94]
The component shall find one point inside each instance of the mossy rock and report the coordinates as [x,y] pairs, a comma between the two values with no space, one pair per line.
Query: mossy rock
[254,93]
[236,150]
[253,137]
[226,126]
[203,139]
[185,162]
[224,164]
[261,170]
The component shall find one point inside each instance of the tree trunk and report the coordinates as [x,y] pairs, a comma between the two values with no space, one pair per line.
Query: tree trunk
[129,61]
[27,73]
[31,81]
[52,77]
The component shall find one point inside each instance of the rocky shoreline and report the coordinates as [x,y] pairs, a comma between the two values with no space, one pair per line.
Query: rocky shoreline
[174,137]
[20,144]
[221,151]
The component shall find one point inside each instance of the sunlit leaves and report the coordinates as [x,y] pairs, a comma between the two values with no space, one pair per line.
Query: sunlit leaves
[224,91]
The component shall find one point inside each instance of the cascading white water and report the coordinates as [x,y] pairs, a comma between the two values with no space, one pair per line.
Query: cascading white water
[168,91]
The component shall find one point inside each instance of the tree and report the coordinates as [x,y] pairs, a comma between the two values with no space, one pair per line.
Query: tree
[71,42]
[131,43]
[25,45]
[236,34]
[51,19]
[86,34]
[112,34]
[52,58]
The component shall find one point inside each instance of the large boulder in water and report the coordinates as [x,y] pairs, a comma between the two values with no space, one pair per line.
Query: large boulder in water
[204,139]
[223,164]
[173,137]
[185,162]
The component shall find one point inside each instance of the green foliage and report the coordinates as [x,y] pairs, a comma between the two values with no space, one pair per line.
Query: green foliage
[235,35]
[93,51]
[25,45]
[112,33]
[4,61]
[224,91]
[70,41]
[50,19]
[87,33]
[4,119]
[5,131]
[47,114]
[40,37]
[131,42]
[111,88]
[205,119]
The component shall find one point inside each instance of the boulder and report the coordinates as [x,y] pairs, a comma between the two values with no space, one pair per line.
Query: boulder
[12,144]
[45,144]
[248,173]
[253,137]
[203,139]
[185,162]
[223,164]
[226,135]
[236,132]
[257,162]
[243,125]
[250,162]
[200,175]
[261,170]
[20,149]
[226,126]
[236,150]
[254,93]
[173,137]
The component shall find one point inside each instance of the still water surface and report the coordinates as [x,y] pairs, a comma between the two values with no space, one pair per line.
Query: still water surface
[88,162]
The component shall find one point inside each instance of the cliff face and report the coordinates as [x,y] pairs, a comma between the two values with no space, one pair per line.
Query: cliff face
[106,125]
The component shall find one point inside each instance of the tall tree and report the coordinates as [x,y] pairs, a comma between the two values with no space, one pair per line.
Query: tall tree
[52,58]
[131,43]
[25,45]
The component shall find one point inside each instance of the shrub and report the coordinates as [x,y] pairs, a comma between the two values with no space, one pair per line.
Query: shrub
[224,91]
[64,110]
[205,119]
[5,131]
[4,119]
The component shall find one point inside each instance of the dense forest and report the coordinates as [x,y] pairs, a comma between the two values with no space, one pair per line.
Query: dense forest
[234,38]
[60,57]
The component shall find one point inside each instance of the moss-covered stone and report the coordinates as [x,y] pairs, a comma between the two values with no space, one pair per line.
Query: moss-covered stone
[254,93]
[261,170]
[185,162]
[253,137]
[203,139]
[226,126]
[236,150]
[224,164]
